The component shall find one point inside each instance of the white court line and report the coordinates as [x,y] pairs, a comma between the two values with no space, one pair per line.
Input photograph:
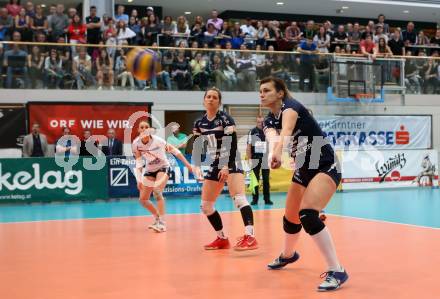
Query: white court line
[183,214]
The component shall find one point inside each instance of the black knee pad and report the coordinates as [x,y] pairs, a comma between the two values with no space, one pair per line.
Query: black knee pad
[291,228]
[310,221]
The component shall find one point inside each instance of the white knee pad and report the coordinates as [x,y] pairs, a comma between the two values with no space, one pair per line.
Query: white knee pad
[240,201]
[207,207]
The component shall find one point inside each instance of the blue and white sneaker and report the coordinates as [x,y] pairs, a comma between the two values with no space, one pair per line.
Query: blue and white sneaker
[281,262]
[333,280]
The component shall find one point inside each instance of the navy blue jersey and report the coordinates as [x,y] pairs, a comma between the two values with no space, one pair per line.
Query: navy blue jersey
[307,138]
[214,132]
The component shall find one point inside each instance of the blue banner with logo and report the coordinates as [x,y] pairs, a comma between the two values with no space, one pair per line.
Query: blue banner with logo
[122,181]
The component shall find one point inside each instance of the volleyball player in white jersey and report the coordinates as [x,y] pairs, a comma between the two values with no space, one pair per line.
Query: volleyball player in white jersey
[152,171]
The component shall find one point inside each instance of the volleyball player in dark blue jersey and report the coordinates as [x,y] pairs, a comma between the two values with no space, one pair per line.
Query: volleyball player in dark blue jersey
[316,176]
[217,137]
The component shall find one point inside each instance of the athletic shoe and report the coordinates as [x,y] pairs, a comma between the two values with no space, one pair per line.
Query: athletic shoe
[268,202]
[218,243]
[246,243]
[333,280]
[254,202]
[281,262]
[161,227]
[154,224]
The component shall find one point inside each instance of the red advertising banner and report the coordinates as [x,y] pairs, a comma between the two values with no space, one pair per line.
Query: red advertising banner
[98,117]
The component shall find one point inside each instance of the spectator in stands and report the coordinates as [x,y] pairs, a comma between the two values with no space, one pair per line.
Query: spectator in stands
[41,38]
[307,48]
[58,23]
[216,70]
[209,36]
[30,9]
[134,14]
[65,55]
[136,28]
[409,36]
[66,146]
[121,70]
[260,63]
[262,35]
[52,12]
[229,69]
[309,31]
[367,32]
[104,67]
[396,43]
[150,11]
[422,39]
[215,20]
[340,37]
[162,71]
[71,12]
[178,139]
[435,40]
[53,70]
[367,47]
[355,35]
[197,30]
[168,29]
[15,62]
[38,21]
[120,15]
[431,77]
[35,62]
[279,67]
[124,33]
[199,72]
[13,7]
[82,69]
[35,143]
[93,28]
[77,33]
[182,29]
[247,71]
[293,35]
[329,28]
[6,24]
[152,29]
[237,36]
[249,32]
[181,71]
[382,49]
[413,81]
[385,26]
[322,69]
[114,146]
[379,34]
[23,25]
[322,40]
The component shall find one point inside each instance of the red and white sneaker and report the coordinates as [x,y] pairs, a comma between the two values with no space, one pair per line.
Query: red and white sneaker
[246,243]
[218,243]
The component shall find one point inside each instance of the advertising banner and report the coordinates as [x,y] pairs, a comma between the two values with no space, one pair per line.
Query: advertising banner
[12,126]
[41,179]
[389,169]
[98,117]
[122,182]
[380,132]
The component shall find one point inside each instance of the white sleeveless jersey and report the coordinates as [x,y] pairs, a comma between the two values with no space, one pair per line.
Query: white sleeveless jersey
[153,153]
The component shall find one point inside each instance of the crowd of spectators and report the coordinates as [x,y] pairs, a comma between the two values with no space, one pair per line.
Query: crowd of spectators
[186,68]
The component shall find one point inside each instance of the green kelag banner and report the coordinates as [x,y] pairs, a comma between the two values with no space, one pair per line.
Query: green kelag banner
[41,179]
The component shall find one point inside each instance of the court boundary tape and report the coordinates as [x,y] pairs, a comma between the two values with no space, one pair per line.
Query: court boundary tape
[183,214]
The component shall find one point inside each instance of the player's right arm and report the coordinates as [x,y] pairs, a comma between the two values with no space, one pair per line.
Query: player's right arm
[138,168]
